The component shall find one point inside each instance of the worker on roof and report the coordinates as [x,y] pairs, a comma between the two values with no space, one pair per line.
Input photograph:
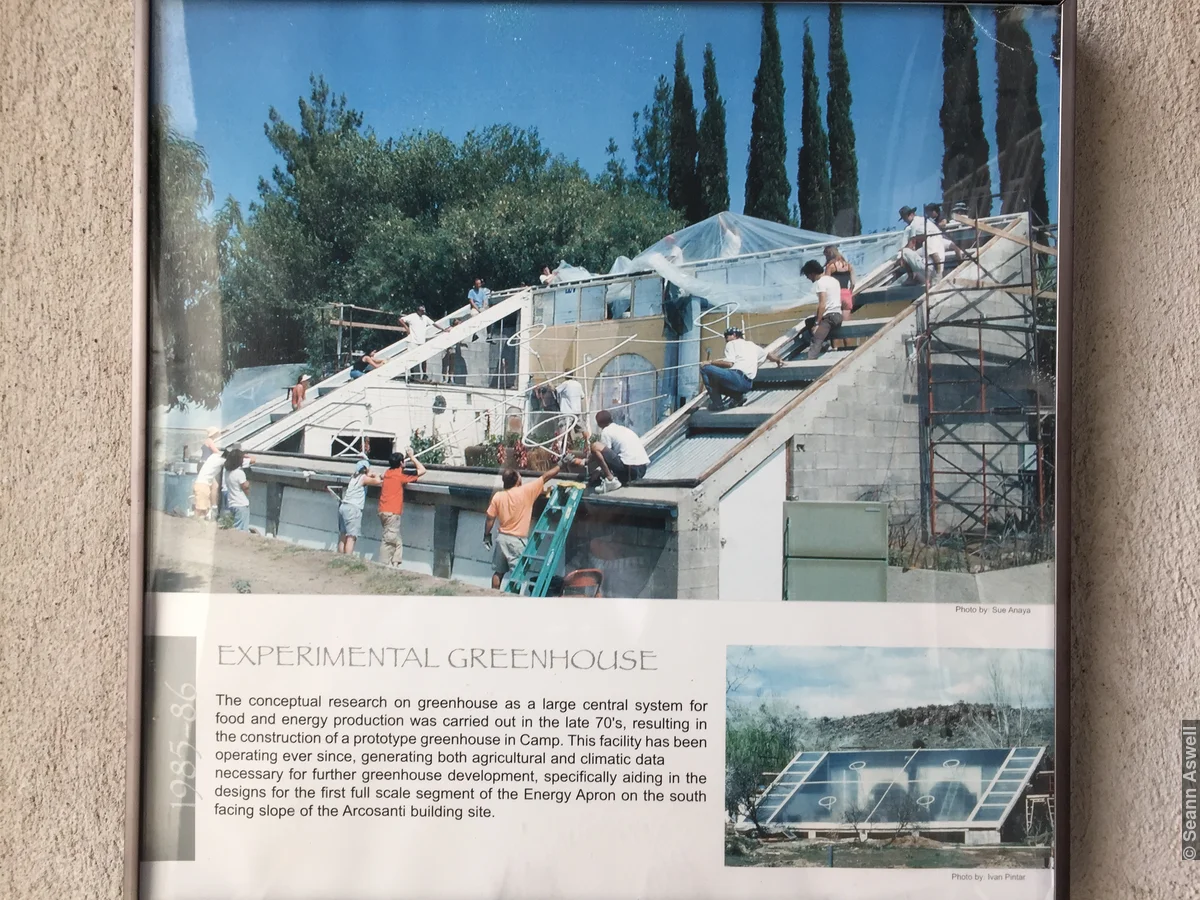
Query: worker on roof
[366,361]
[512,507]
[728,380]
[925,236]
[616,458]
[416,325]
[300,391]
[829,305]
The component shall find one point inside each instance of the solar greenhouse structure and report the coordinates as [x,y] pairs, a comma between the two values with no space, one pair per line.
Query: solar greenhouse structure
[972,791]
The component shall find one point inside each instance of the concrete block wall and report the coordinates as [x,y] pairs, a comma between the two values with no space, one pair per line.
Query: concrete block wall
[858,437]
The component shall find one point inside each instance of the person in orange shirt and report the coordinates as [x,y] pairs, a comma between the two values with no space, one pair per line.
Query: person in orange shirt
[513,509]
[391,506]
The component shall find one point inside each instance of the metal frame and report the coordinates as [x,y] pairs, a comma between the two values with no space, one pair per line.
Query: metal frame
[964,498]
[139,473]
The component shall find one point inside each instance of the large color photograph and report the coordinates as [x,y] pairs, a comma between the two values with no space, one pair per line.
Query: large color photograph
[889,757]
[737,302]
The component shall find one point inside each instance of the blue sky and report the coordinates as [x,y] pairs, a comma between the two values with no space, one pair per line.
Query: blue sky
[847,681]
[576,72]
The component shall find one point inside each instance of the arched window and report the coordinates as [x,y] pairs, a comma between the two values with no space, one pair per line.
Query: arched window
[627,386]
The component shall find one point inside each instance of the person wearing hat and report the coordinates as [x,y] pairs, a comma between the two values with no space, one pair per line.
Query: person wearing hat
[206,490]
[350,510]
[300,391]
[728,380]
[209,447]
[921,233]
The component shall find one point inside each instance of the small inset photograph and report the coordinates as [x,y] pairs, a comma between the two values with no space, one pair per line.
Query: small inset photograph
[880,757]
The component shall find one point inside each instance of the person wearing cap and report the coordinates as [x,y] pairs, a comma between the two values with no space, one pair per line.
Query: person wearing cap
[829,305]
[367,360]
[921,233]
[728,380]
[391,505]
[300,391]
[416,325]
[350,510]
[206,490]
[209,447]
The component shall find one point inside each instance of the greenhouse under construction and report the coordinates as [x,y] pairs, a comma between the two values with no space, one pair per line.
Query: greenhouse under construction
[931,416]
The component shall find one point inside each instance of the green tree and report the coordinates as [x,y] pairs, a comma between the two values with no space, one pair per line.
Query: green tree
[812,180]
[683,188]
[767,188]
[614,178]
[966,172]
[187,356]
[387,224]
[712,161]
[1056,42]
[1019,148]
[652,142]
[843,157]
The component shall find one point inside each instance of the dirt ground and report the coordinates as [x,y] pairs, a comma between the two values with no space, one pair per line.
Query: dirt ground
[194,555]
[904,854]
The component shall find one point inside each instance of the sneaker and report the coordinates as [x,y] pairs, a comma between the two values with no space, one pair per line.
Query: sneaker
[738,400]
[716,406]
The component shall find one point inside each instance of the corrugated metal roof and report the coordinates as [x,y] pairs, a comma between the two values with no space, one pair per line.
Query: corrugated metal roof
[691,457]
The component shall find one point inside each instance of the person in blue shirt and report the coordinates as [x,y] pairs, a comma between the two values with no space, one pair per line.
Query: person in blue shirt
[478,297]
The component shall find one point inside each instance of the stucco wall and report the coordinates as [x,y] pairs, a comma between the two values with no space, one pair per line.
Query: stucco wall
[65,237]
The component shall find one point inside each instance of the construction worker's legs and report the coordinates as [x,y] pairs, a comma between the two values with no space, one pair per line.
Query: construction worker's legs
[821,333]
[349,527]
[392,547]
[241,517]
[505,553]
[201,498]
[724,382]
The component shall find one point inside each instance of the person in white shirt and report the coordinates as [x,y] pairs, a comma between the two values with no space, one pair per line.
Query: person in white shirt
[237,486]
[206,489]
[547,277]
[570,397]
[617,456]
[416,325]
[728,380]
[829,305]
[926,235]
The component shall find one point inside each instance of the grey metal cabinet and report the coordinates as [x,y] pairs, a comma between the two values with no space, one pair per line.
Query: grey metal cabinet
[835,551]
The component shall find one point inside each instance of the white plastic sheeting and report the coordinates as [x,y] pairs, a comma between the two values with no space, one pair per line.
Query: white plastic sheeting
[739,262]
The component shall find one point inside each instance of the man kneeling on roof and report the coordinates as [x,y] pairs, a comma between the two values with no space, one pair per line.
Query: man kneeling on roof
[728,380]
[617,457]
[513,509]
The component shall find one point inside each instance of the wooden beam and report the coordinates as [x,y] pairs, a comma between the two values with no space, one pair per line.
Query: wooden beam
[998,232]
[365,325]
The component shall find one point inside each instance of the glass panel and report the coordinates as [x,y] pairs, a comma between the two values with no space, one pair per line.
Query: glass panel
[566,306]
[592,304]
[543,308]
[647,297]
[627,387]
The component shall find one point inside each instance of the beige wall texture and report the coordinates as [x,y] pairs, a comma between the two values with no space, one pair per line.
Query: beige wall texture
[66,168]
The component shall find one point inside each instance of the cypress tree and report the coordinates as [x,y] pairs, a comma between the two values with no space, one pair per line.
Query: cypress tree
[1056,41]
[966,173]
[1019,149]
[651,142]
[767,188]
[712,163]
[843,158]
[812,181]
[683,190]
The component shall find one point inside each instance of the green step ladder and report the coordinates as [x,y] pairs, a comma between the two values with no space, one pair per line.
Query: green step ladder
[530,577]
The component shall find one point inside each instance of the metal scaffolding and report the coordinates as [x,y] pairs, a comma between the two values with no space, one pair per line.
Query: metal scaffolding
[987,338]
